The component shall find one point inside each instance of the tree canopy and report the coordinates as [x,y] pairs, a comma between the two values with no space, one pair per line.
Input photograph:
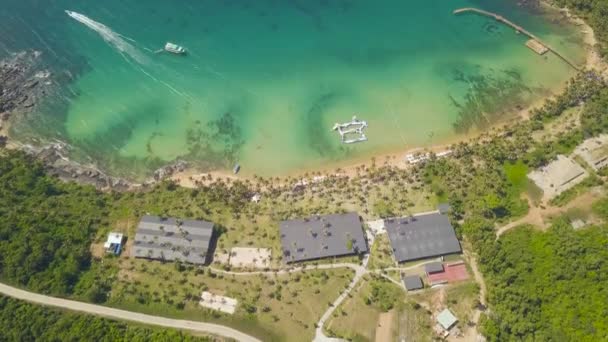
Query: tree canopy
[22,321]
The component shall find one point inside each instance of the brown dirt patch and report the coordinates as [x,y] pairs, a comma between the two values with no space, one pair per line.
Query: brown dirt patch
[384,331]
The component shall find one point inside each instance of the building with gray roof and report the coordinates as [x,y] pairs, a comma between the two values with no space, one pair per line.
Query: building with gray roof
[422,236]
[433,267]
[172,239]
[412,283]
[324,236]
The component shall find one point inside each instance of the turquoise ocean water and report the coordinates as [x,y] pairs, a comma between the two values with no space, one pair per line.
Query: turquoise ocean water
[264,81]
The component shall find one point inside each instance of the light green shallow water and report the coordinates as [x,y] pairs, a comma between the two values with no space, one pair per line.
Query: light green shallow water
[265,81]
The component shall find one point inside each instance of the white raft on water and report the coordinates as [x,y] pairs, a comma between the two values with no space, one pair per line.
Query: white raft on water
[355,126]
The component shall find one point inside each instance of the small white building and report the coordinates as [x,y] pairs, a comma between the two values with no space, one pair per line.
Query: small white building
[114,243]
[446,319]
[256,198]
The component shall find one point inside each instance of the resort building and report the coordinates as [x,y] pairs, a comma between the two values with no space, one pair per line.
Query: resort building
[320,237]
[594,151]
[438,273]
[412,283]
[446,319]
[114,243]
[172,239]
[557,177]
[422,236]
[433,267]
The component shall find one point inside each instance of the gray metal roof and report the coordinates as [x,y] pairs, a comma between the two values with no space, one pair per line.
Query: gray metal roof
[322,236]
[172,239]
[433,267]
[422,236]
[412,282]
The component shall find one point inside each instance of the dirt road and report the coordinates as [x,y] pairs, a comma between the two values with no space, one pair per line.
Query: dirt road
[99,310]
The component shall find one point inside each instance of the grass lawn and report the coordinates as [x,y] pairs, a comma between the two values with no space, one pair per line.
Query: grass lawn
[516,175]
[272,307]
[354,319]
[461,299]
[413,323]
[357,318]
[577,190]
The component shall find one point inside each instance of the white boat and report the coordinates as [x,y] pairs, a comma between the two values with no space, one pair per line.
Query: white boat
[174,48]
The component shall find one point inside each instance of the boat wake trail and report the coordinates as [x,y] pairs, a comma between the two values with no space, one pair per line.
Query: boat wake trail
[113,38]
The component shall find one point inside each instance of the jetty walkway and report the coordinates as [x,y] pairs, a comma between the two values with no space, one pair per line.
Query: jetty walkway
[518,29]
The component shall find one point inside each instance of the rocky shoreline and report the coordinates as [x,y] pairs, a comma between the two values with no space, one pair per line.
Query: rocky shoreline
[24,83]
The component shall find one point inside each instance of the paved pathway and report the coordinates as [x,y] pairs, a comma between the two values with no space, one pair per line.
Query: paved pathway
[207,328]
[360,271]
[319,335]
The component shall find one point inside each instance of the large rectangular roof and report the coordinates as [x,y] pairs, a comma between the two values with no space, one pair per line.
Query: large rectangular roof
[172,239]
[322,236]
[422,236]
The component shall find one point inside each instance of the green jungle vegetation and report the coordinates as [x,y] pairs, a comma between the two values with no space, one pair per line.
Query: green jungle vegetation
[22,321]
[48,225]
[594,12]
[549,286]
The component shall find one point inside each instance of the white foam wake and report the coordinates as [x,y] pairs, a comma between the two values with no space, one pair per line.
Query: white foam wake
[113,38]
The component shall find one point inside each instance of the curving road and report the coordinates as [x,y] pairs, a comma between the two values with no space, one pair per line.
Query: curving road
[99,310]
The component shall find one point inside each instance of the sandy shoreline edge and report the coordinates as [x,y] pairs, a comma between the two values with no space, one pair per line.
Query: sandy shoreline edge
[192,178]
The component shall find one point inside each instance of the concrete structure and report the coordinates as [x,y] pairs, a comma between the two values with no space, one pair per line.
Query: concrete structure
[413,283]
[537,47]
[172,239]
[319,237]
[446,319]
[577,224]
[256,198]
[250,257]
[433,267]
[114,243]
[220,303]
[557,177]
[594,151]
[422,236]
[377,227]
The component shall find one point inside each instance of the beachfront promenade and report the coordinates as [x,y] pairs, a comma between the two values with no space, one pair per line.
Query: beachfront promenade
[517,28]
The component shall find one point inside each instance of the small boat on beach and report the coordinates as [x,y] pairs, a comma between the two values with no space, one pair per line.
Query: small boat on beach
[236,169]
[174,48]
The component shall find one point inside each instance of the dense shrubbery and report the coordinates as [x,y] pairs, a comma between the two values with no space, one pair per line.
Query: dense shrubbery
[549,286]
[595,13]
[384,295]
[21,321]
[46,227]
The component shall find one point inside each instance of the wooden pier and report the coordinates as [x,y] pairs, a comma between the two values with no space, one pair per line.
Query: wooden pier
[517,28]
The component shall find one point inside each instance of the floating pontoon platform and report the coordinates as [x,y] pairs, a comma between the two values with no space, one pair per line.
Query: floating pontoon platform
[355,126]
